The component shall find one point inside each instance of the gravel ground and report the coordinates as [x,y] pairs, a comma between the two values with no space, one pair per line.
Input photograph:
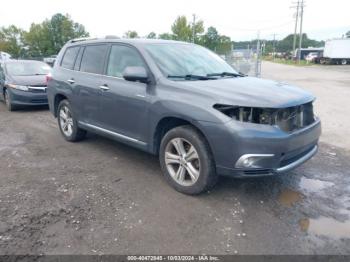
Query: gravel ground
[101,197]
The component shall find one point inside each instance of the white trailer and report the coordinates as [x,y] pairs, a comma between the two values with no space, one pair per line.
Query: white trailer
[336,51]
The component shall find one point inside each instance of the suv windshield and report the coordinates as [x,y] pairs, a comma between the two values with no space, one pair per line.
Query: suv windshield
[27,68]
[183,61]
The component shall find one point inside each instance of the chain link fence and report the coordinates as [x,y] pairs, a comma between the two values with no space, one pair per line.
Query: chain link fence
[245,61]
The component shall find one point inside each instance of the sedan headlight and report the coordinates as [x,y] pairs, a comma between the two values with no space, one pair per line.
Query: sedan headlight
[19,87]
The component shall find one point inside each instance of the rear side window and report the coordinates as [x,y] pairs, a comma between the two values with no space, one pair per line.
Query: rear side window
[93,59]
[69,57]
[78,60]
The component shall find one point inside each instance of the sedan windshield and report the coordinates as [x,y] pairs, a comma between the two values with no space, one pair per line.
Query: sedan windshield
[185,61]
[27,68]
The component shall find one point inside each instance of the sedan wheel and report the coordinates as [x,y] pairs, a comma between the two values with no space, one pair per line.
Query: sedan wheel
[8,102]
[182,161]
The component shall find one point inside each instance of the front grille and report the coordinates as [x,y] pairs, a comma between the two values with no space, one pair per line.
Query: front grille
[39,101]
[257,172]
[295,155]
[37,89]
[41,85]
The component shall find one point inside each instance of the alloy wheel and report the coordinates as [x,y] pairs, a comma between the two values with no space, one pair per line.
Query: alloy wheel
[66,121]
[182,161]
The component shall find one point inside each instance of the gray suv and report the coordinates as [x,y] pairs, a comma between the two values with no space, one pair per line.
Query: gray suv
[184,103]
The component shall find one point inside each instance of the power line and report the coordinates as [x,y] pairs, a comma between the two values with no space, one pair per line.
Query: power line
[262,28]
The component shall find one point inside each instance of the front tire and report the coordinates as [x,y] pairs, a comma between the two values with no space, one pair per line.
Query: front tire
[7,98]
[68,124]
[186,161]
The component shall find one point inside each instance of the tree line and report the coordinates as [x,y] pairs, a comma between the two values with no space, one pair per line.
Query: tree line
[43,39]
[48,37]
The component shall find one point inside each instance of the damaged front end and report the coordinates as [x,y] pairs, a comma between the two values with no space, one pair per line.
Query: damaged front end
[288,119]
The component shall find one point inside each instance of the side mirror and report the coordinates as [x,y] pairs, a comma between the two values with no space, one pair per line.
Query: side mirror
[136,73]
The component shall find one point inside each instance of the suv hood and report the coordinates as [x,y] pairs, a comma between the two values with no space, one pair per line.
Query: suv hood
[250,91]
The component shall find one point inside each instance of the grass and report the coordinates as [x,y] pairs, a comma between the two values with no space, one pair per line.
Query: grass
[288,61]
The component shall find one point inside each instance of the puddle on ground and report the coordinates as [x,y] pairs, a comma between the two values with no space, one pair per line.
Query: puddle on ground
[313,185]
[326,226]
[289,197]
[304,224]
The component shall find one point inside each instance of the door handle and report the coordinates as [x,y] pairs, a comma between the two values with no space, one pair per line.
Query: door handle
[71,81]
[104,87]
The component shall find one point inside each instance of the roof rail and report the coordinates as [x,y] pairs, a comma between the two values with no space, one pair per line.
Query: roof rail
[81,39]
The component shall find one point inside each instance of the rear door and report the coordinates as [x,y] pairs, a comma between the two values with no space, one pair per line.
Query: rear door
[63,78]
[124,103]
[2,79]
[88,82]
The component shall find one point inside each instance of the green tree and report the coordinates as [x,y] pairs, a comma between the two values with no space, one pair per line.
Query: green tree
[198,29]
[152,35]
[11,40]
[131,34]
[48,37]
[166,36]
[211,38]
[62,28]
[347,34]
[181,29]
[38,42]
[286,44]
[224,46]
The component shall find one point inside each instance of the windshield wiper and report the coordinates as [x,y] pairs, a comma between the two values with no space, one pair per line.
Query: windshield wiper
[191,77]
[222,74]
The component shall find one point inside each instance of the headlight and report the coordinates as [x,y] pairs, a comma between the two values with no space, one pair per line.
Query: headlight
[287,119]
[248,114]
[19,87]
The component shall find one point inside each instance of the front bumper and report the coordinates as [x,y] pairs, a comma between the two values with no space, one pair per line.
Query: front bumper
[284,151]
[27,98]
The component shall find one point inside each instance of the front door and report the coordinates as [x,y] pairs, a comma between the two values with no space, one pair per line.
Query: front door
[124,103]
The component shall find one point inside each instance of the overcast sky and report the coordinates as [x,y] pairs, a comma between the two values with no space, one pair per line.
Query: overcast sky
[238,19]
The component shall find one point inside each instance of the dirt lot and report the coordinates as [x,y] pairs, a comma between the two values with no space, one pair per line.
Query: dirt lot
[101,197]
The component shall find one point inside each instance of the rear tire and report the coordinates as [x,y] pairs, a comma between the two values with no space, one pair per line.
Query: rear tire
[192,170]
[68,123]
[7,98]
[344,62]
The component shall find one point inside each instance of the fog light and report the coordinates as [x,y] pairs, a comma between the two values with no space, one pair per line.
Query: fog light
[248,162]
[251,160]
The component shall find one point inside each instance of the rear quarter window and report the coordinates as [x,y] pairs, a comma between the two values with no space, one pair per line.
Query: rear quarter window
[69,57]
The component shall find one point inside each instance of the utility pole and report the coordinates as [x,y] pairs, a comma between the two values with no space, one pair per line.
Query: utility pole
[301,29]
[274,47]
[258,62]
[194,28]
[296,25]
